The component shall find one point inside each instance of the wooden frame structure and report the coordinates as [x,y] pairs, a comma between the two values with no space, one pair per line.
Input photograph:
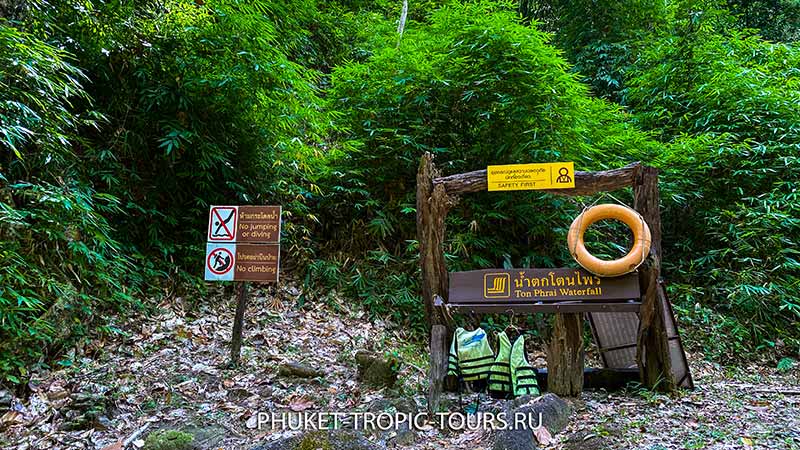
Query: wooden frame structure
[436,195]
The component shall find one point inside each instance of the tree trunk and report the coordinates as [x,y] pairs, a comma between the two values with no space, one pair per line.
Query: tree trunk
[652,352]
[565,355]
[402,25]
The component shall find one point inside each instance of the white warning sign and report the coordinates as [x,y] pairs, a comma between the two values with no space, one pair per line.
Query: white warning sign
[220,261]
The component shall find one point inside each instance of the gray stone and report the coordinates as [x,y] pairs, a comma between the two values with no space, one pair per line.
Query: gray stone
[404,435]
[5,398]
[83,412]
[103,423]
[293,369]
[364,359]
[375,370]
[555,414]
[392,405]
[207,437]
[514,440]
[584,440]
[325,440]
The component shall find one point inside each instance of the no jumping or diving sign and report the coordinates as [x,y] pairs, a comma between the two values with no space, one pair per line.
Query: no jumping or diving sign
[245,224]
[222,224]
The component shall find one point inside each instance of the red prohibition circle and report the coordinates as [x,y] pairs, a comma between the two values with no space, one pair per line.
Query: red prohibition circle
[214,252]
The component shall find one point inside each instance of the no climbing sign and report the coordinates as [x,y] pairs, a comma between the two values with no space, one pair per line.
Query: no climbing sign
[242,262]
[243,243]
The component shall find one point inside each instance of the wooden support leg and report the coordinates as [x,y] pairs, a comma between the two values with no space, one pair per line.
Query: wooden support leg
[652,352]
[438,368]
[565,355]
[432,206]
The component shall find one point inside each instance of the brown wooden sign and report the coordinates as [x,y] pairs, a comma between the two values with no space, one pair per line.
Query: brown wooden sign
[539,285]
[259,224]
[257,262]
[243,245]
[242,262]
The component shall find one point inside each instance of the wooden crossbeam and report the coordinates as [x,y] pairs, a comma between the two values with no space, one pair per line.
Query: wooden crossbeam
[586,183]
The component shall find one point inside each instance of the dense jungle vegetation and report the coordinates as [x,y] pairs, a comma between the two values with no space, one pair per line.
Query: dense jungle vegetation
[121,122]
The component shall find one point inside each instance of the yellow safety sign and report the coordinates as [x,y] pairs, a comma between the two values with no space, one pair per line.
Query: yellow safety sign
[522,177]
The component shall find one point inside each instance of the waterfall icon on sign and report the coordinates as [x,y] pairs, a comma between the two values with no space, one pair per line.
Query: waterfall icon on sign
[496,285]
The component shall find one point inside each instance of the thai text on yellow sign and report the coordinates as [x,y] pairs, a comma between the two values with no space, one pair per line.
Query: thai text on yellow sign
[521,177]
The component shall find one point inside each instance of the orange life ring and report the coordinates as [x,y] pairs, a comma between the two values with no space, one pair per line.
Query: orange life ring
[617,267]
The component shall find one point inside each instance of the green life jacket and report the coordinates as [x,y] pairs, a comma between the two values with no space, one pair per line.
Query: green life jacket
[470,355]
[500,372]
[523,376]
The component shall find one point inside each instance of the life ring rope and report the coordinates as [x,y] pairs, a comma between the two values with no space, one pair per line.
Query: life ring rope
[642,239]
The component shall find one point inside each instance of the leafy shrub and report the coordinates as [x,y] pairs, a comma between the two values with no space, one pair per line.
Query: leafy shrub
[601,38]
[201,104]
[204,106]
[776,20]
[61,270]
[736,219]
[37,121]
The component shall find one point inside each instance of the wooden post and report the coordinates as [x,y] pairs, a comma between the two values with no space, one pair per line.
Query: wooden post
[438,368]
[565,355]
[432,206]
[652,351]
[238,322]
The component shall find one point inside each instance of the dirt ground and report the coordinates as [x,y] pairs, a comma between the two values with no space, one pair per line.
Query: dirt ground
[170,371]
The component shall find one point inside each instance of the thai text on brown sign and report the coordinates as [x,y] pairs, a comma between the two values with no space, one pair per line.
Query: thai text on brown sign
[259,224]
[255,224]
[256,262]
[539,285]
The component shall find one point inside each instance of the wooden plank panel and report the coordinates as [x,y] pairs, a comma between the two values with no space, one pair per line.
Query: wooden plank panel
[608,379]
[616,333]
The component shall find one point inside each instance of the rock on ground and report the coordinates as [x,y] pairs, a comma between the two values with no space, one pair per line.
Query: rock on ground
[168,440]
[293,369]
[375,370]
[555,414]
[324,440]
[403,435]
